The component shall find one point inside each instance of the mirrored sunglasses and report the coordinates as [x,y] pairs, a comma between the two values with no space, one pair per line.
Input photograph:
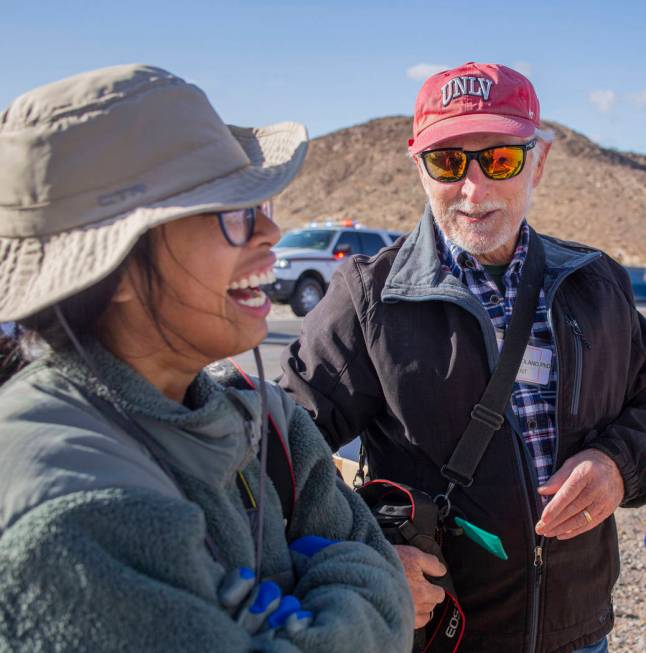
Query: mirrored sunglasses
[499,162]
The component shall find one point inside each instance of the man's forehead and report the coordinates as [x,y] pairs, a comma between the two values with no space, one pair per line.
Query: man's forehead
[479,141]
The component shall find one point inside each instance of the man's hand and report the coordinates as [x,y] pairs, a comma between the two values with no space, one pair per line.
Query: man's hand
[587,489]
[425,595]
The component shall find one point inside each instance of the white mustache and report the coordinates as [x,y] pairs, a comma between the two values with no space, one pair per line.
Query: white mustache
[464,206]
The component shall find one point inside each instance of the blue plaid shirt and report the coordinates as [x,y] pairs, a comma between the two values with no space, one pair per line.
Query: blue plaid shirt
[534,405]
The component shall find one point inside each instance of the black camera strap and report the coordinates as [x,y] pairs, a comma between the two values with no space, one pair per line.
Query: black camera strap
[487,416]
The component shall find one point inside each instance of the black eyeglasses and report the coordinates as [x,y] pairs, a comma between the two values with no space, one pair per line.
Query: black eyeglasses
[498,162]
[237,226]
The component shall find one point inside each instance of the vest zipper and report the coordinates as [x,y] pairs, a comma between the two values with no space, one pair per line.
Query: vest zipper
[537,551]
[579,342]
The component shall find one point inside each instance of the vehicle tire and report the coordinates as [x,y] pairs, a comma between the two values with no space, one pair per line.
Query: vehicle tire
[307,295]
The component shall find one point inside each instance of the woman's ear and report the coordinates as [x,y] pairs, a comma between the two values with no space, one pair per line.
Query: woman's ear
[125,291]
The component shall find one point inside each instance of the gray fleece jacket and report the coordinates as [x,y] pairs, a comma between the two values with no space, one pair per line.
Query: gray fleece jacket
[100,551]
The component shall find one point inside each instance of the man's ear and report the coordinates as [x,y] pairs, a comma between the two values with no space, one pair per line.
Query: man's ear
[540,166]
[418,163]
[423,175]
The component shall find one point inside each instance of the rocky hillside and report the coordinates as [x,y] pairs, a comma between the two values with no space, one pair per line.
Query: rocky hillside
[589,194]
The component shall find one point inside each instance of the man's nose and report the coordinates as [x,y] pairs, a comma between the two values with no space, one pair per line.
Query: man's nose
[475,185]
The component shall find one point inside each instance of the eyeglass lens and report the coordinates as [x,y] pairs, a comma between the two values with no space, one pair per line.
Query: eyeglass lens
[495,162]
[238,225]
[445,164]
[502,162]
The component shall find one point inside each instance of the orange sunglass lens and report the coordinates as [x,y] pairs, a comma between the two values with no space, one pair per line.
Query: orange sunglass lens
[445,165]
[502,162]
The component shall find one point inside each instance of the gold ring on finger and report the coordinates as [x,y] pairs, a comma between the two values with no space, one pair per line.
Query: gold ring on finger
[587,515]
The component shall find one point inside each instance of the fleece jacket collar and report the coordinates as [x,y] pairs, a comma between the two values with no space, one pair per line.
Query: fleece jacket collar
[213,439]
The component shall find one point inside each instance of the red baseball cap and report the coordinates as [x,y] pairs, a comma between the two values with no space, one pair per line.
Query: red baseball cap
[474,98]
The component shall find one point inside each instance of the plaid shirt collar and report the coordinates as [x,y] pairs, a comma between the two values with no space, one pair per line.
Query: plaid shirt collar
[458,261]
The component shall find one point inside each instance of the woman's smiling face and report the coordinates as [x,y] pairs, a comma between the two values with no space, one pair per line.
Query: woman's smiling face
[205,298]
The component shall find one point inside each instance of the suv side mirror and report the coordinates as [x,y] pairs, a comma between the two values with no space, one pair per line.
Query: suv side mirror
[343,248]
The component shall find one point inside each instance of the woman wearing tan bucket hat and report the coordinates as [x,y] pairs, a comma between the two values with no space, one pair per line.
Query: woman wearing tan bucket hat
[134,513]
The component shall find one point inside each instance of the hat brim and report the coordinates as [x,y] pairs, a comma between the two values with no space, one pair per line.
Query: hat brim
[474,123]
[39,272]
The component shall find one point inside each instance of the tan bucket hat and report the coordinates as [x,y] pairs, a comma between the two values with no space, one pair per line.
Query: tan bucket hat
[89,163]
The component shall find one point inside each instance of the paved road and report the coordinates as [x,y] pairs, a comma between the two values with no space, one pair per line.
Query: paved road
[281,333]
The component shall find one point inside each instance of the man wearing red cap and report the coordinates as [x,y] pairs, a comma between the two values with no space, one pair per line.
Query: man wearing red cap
[404,344]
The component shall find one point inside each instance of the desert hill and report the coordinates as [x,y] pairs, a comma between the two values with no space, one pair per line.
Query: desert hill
[589,194]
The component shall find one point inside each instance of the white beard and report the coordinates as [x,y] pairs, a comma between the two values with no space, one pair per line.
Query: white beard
[478,238]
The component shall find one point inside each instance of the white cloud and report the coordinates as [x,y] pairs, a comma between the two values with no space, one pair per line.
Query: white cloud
[424,70]
[603,99]
[639,99]
[523,67]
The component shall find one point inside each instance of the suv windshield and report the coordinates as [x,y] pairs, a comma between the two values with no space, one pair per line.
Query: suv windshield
[308,238]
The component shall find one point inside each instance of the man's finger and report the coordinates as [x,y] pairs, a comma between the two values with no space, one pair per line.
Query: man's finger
[569,534]
[551,520]
[575,533]
[421,619]
[430,565]
[418,567]
[417,562]
[567,494]
[430,597]
[577,522]
[426,598]
[554,483]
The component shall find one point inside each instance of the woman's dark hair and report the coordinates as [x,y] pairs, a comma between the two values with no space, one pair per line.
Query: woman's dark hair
[82,312]
[11,358]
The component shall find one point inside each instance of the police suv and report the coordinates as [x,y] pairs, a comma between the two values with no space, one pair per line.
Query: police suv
[306,259]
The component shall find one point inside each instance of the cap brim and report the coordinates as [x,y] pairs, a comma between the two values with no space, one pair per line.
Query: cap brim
[474,123]
[39,272]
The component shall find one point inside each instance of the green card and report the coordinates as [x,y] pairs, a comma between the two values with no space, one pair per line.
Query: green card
[486,540]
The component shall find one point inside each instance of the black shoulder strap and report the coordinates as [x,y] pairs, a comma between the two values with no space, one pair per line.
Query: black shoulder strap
[279,464]
[487,415]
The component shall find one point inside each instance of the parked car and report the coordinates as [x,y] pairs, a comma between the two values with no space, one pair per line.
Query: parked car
[306,259]
[638,281]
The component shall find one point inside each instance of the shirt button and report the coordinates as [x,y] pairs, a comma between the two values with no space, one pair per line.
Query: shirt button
[495,299]
[532,424]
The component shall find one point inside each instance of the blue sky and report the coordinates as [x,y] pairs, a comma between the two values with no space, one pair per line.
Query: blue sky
[333,64]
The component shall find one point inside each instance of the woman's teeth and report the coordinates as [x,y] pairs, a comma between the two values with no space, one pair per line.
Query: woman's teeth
[245,291]
[257,298]
[253,280]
